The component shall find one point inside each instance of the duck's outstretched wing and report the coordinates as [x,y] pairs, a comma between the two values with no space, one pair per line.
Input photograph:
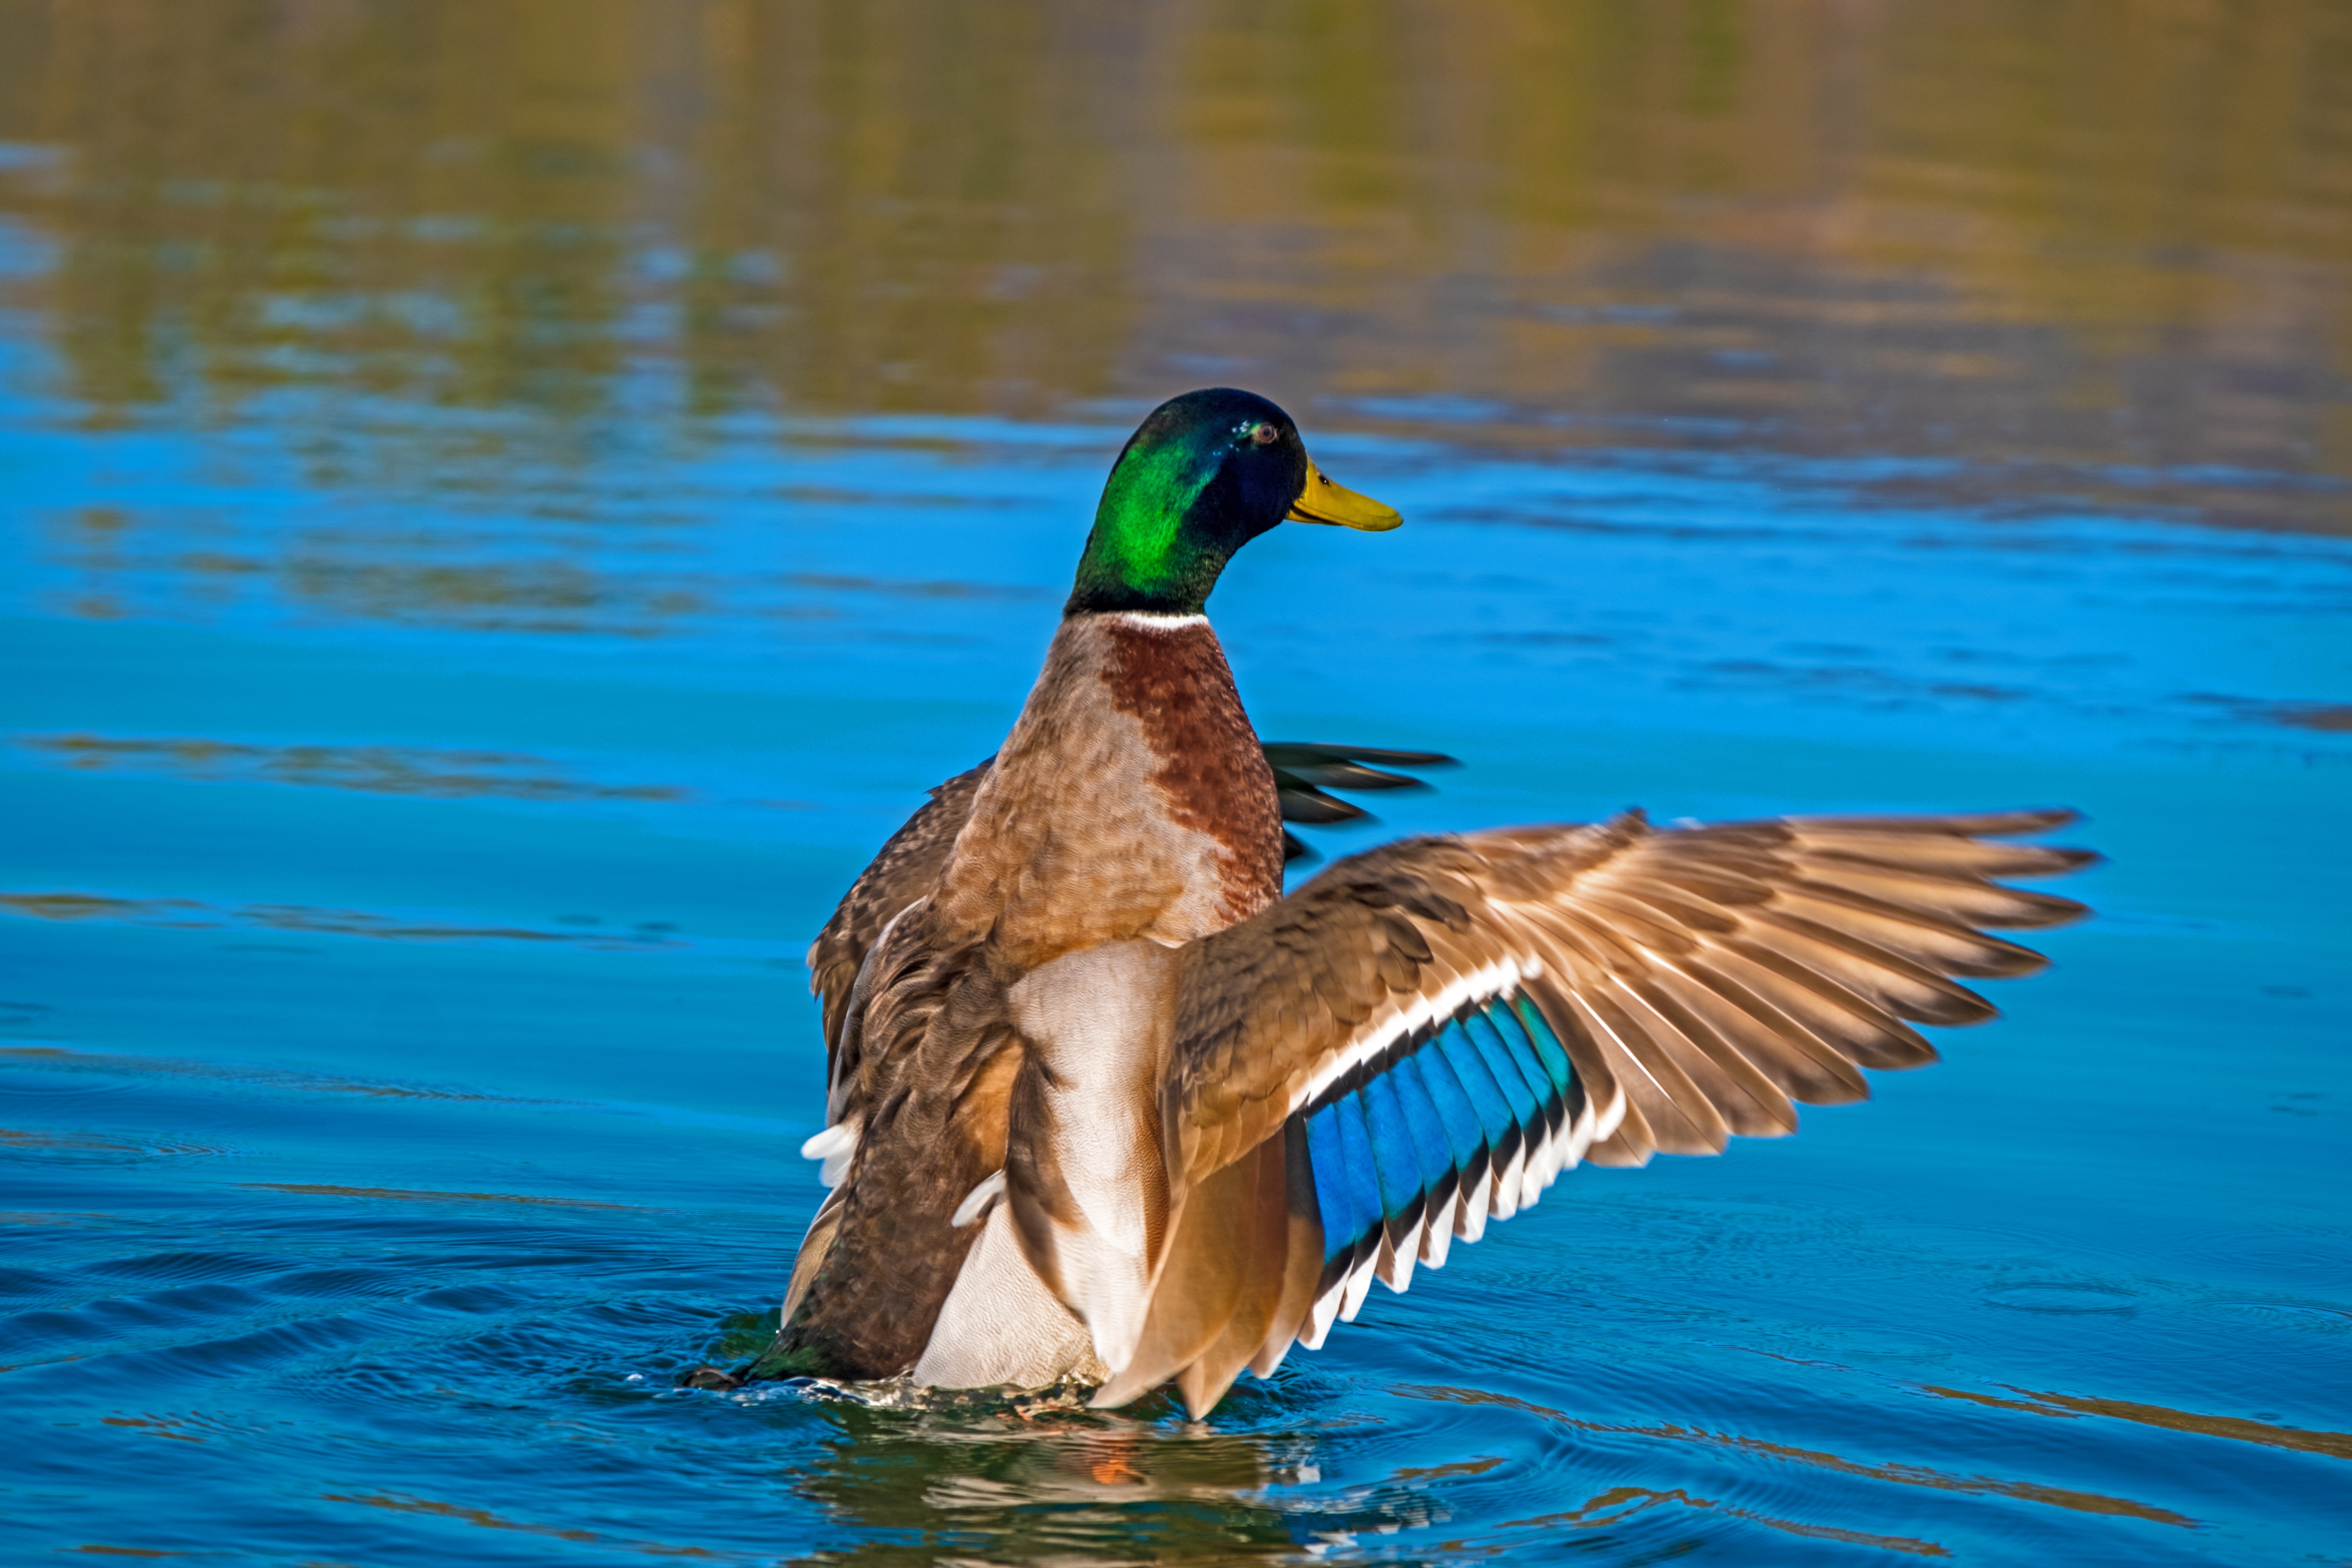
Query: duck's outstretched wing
[1424,1035]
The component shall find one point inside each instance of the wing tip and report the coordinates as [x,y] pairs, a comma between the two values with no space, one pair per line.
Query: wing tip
[2044,912]
[2015,823]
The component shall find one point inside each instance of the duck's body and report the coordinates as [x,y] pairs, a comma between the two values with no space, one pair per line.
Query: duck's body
[1131,805]
[1105,1104]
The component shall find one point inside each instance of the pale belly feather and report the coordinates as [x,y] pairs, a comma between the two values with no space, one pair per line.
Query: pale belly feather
[1092,1022]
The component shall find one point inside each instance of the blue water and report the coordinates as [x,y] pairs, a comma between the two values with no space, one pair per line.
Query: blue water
[411,824]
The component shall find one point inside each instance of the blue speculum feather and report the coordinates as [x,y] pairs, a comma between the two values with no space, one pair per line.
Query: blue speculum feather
[1548,1050]
[1526,1105]
[1477,1081]
[1457,1123]
[1469,1093]
[1344,1221]
[1430,1150]
[1359,1181]
[1528,1059]
[1393,1150]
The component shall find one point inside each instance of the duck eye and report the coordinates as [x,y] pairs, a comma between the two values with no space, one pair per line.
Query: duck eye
[1265,435]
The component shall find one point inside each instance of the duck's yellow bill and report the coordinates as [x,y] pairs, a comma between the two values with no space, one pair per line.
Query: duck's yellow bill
[1323,501]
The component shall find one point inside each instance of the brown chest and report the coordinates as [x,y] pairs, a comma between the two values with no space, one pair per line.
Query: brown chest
[1130,800]
[1209,772]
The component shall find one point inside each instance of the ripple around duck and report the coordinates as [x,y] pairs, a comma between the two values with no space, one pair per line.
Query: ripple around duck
[30,1284]
[1305,1476]
[1616,1492]
[61,1059]
[92,1148]
[298,1283]
[1901,1474]
[1616,1509]
[426,1196]
[2290,1315]
[186,1267]
[2062,1296]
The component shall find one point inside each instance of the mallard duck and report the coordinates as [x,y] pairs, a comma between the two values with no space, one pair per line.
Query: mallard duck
[1105,1105]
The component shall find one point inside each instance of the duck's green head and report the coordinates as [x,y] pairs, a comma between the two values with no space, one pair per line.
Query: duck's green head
[1203,476]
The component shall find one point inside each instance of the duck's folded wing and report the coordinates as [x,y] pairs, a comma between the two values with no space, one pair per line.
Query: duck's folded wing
[907,868]
[1423,1036]
[1306,772]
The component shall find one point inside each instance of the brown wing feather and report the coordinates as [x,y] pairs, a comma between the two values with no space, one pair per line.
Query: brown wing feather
[906,867]
[1711,974]
[1221,1284]
[930,1067]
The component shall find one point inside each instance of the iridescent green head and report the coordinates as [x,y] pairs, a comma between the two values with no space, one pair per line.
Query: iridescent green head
[1203,476]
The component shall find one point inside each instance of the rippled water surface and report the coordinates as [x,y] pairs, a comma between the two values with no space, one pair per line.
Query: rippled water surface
[507,505]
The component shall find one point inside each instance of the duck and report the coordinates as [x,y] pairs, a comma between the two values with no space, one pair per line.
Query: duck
[1105,1106]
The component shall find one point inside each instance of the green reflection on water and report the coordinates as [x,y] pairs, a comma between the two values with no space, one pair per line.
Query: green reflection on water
[2061,237]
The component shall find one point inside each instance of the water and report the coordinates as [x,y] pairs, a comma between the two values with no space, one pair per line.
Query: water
[509,505]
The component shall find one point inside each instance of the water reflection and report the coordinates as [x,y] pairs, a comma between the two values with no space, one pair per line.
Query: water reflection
[1025,1485]
[193,914]
[2067,1406]
[2098,247]
[376,770]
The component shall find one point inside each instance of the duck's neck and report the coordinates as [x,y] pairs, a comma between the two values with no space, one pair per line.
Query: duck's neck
[1133,798]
